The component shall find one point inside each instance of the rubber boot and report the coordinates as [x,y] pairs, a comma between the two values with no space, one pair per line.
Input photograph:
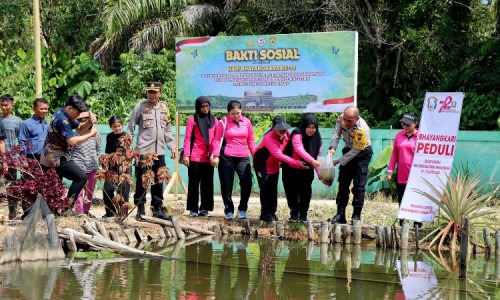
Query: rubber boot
[339,218]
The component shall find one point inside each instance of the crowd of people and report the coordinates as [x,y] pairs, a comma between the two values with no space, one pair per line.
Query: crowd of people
[70,143]
[228,143]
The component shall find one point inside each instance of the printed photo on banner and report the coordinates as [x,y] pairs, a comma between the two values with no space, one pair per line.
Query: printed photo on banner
[303,72]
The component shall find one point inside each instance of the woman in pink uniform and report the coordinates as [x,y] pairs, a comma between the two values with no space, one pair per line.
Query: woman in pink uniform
[199,144]
[402,154]
[232,156]
[305,145]
[266,162]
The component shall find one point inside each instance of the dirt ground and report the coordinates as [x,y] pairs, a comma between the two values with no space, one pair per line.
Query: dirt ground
[374,213]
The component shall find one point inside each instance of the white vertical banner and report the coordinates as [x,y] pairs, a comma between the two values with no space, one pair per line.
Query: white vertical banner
[434,154]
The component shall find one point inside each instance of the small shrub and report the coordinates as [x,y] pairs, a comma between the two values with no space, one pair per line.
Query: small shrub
[33,180]
[115,169]
[460,196]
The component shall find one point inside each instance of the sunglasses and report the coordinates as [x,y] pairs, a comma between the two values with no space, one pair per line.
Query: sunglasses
[405,125]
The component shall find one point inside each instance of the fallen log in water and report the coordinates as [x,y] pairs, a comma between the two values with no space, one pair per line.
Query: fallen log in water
[87,227]
[114,247]
[183,227]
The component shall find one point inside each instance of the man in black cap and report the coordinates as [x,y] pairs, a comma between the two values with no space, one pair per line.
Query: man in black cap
[155,132]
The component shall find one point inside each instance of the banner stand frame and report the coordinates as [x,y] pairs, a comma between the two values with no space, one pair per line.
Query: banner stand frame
[176,176]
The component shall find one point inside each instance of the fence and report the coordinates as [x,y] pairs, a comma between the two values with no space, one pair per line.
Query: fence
[480,149]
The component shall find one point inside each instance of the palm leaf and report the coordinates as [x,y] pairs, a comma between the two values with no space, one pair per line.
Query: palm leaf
[459,196]
[157,35]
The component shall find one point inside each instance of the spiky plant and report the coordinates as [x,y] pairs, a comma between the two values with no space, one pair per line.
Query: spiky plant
[460,196]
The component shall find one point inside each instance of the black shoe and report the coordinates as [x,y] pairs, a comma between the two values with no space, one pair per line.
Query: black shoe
[158,213]
[338,219]
[356,218]
[203,213]
[293,219]
[141,211]
[303,219]
[356,213]
[72,213]
[266,218]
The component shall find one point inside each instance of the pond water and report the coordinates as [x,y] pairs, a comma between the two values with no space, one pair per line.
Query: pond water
[255,269]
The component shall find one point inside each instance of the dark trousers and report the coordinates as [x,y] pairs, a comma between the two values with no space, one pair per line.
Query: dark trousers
[401,190]
[109,190]
[156,189]
[356,171]
[268,184]
[298,191]
[69,170]
[227,166]
[11,175]
[201,181]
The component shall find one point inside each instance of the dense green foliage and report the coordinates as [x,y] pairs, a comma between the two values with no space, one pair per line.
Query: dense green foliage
[405,49]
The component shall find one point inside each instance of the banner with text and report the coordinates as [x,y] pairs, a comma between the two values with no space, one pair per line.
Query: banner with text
[434,154]
[303,72]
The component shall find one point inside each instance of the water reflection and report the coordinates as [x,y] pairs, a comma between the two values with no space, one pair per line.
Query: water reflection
[253,269]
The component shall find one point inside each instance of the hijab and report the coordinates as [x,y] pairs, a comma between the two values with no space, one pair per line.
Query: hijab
[204,121]
[311,144]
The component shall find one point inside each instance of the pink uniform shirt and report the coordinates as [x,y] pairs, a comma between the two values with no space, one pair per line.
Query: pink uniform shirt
[239,137]
[402,154]
[199,153]
[300,153]
[269,153]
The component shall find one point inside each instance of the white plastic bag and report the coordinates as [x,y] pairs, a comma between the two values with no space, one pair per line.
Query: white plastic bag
[326,169]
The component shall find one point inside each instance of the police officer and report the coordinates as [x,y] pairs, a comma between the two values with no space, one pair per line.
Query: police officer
[155,131]
[356,156]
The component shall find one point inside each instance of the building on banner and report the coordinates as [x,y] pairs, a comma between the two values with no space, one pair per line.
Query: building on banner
[303,72]
[434,152]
